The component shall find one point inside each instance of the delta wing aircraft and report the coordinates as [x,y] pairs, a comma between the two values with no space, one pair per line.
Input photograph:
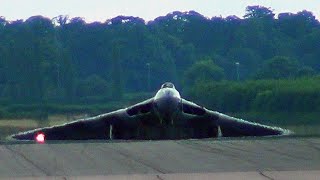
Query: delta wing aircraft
[164,116]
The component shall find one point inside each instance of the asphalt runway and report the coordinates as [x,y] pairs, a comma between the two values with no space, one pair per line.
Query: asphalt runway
[262,158]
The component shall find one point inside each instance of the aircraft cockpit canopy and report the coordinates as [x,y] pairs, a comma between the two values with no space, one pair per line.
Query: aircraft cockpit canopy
[167,85]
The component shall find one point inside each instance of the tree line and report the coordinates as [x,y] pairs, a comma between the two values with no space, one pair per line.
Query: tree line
[65,60]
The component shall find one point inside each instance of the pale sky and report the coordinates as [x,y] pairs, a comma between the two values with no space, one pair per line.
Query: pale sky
[101,10]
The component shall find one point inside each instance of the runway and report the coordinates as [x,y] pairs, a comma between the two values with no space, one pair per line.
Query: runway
[262,158]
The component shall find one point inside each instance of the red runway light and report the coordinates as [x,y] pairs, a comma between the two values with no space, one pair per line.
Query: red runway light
[40,138]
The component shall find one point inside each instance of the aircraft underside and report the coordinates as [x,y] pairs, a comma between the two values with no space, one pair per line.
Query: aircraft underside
[164,132]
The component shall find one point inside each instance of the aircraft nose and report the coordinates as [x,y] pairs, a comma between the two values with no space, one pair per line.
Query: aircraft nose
[166,105]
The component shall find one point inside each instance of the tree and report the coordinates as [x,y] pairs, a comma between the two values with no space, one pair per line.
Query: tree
[306,71]
[278,67]
[94,85]
[204,70]
[42,59]
[307,49]
[117,73]
[42,55]
[61,20]
[297,25]
[248,60]
[3,22]
[258,12]
[66,76]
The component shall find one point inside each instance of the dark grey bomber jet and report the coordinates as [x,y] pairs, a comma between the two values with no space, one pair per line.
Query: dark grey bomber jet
[164,116]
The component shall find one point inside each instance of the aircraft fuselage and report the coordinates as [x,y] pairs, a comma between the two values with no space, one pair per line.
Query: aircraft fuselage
[167,104]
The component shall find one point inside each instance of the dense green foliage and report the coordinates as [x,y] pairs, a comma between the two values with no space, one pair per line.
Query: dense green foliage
[203,71]
[68,61]
[300,95]
[283,101]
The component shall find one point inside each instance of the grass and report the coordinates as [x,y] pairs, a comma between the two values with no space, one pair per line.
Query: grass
[304,130]
[281,118]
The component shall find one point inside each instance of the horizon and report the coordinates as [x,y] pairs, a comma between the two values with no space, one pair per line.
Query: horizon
[146,21]
[100,11]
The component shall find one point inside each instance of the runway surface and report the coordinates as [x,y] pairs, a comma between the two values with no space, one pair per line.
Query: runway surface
[263,158]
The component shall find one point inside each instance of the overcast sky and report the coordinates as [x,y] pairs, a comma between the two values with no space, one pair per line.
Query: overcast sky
[100,10]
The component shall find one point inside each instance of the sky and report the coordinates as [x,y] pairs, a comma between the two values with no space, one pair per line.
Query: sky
[101,10]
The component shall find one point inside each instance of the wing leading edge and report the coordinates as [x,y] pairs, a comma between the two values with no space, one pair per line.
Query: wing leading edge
[235,127]
[125,121]
[98,127]
[230,126]
[83,129]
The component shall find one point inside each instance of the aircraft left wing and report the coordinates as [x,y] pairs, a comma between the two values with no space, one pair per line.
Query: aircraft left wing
[83,129]
[230,126]
[235,127]
[97,127]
